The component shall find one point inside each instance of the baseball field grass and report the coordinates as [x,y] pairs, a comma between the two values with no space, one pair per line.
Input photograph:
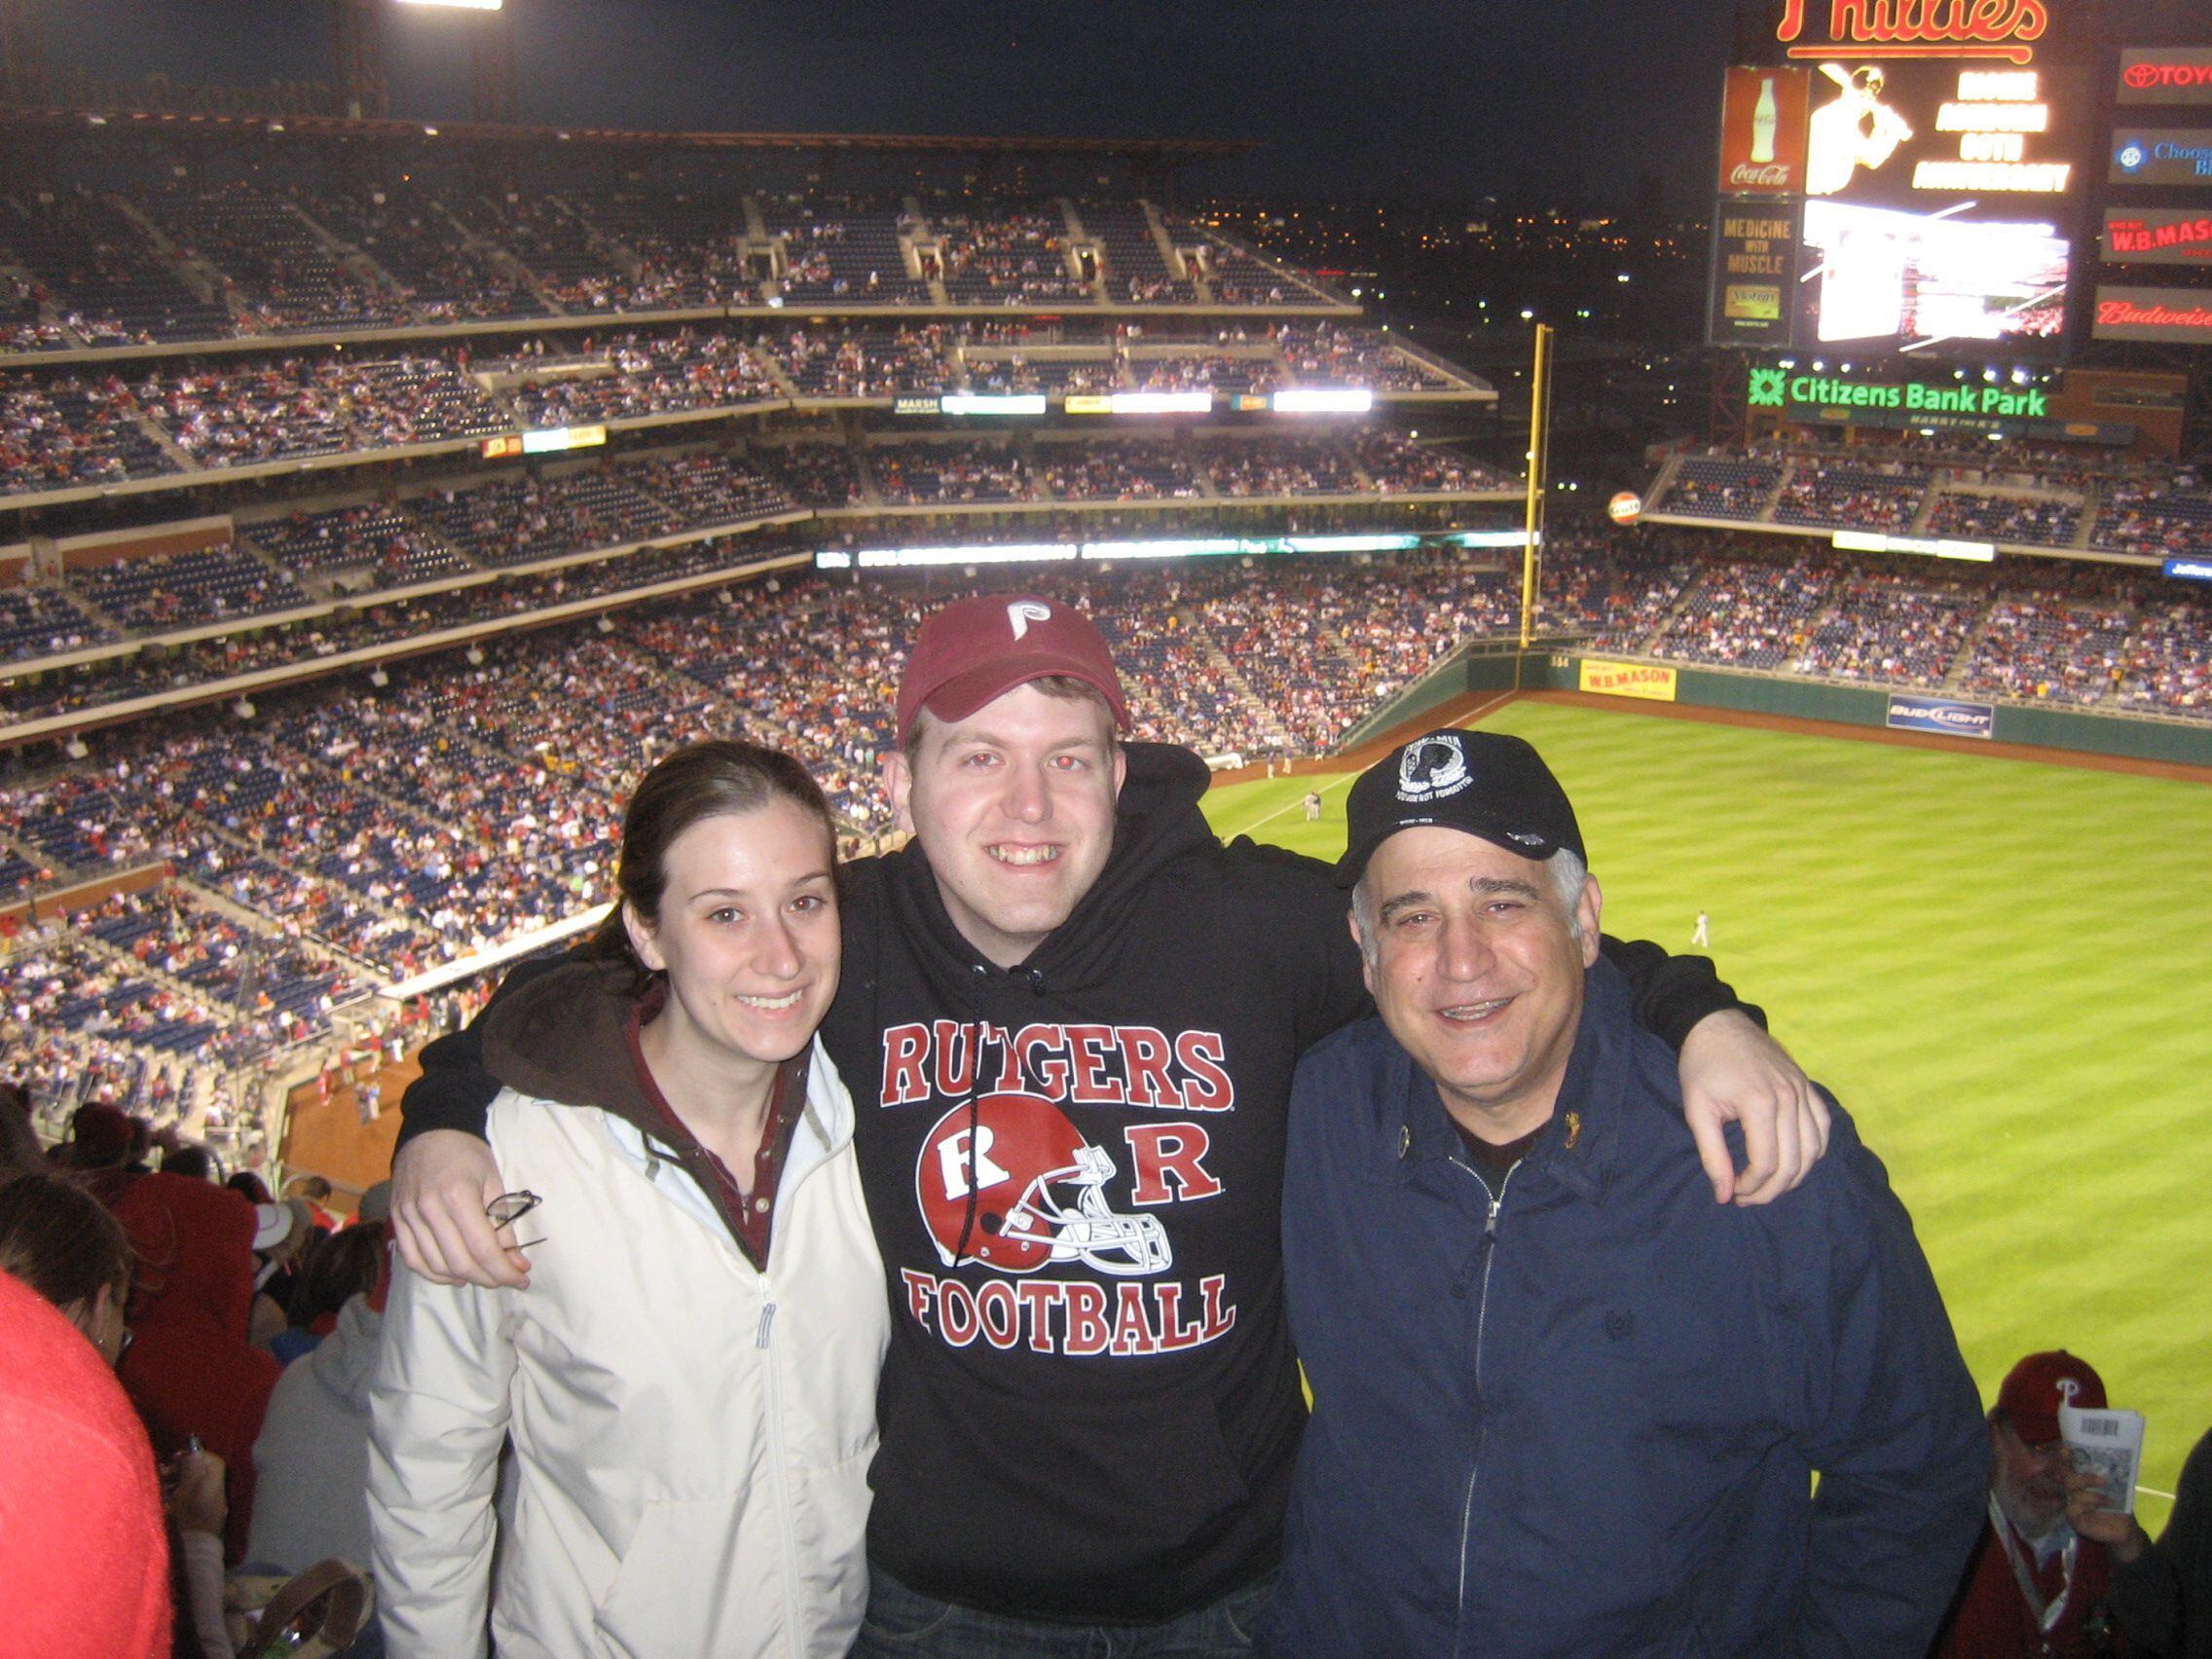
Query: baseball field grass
[2001,968]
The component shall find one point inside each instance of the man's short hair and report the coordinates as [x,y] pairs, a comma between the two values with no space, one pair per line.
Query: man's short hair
[1568,873]
[1066,688]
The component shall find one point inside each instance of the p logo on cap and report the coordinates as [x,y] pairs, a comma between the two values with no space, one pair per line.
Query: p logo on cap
[977,650]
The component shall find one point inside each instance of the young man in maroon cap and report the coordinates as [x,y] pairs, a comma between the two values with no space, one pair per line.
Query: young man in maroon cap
[1070,1014]
[2035,1589]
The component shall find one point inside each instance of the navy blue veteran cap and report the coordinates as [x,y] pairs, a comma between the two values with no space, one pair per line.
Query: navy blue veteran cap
[1482,781]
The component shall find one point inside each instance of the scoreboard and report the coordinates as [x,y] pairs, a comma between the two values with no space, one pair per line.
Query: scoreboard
[1882,194]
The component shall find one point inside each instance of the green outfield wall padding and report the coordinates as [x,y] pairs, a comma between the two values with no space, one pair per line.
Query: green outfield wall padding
[1455,678]
[2187,744]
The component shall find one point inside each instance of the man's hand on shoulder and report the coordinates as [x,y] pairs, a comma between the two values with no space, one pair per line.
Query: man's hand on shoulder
[1733,1071]
[441,1183]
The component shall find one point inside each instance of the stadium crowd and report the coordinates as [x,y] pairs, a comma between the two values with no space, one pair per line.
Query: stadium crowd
[2041,497]
[140,257]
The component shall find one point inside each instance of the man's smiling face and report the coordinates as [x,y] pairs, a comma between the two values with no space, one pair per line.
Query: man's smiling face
[1476,963]
[1013,807]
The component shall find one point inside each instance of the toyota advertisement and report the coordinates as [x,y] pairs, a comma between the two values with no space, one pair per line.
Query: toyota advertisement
[2166,75]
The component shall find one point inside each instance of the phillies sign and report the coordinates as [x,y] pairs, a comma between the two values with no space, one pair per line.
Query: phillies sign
[2006,30]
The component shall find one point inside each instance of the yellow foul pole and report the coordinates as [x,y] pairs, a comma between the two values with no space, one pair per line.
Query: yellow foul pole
[1539,468]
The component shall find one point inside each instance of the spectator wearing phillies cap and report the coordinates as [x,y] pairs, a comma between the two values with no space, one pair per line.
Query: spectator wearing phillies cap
[99,1145]
[2161,1592]
[2035,1586]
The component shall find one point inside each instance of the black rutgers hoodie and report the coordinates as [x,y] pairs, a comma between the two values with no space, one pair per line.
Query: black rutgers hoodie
[1090,1410]
[1074,1169]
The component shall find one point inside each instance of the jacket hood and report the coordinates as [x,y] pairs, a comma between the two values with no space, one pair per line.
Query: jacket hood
[343,1361]
[563,1036]
[193,1244]
[1155,819]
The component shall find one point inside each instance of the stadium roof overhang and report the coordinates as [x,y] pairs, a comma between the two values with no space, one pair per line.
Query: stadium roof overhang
[502,135]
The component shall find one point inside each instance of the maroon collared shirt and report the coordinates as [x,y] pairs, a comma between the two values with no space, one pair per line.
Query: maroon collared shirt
[752,1213]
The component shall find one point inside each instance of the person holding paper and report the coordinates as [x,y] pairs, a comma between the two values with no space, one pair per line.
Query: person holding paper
[2161,1593]
[2035,1586]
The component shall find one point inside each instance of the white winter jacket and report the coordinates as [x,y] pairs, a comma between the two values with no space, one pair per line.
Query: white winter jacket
[691,1436]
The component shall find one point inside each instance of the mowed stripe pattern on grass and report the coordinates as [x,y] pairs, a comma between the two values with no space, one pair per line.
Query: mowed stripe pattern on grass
[2003,969]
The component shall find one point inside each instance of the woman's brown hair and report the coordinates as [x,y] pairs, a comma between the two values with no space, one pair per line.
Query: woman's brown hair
[61,1242]
[718,778]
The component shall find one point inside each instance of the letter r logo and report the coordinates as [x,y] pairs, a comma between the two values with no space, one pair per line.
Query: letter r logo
[1023,612]
[954,1161]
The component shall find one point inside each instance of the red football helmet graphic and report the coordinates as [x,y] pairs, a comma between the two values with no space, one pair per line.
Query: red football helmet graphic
[1024,1190]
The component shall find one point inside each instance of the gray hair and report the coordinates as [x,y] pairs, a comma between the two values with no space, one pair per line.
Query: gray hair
[1568,876]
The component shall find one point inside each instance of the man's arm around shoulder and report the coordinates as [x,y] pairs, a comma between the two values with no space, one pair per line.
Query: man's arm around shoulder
[443,1175]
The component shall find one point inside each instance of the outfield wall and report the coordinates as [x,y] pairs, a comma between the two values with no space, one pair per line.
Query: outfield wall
[2041,726]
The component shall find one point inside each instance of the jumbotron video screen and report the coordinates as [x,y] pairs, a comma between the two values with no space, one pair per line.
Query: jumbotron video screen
[1940,207]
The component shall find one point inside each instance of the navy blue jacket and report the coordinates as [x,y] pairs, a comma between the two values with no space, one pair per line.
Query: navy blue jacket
[1585,1421]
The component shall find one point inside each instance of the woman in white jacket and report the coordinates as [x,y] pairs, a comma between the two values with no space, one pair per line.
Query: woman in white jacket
[689,1382]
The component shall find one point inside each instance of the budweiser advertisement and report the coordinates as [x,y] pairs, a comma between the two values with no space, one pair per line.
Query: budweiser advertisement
[2164,75]
[1941,200]
[2157,236]
[1763,131]
[2173,317]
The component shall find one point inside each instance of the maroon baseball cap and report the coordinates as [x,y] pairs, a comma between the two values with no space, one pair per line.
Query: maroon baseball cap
[977,650]
[2034,1389]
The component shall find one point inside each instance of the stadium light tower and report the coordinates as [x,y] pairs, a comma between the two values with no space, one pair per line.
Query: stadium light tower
[490,53]
[362,92]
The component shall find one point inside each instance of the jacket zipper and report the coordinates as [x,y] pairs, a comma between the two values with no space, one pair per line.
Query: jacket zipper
[1489,1250]
[763,1336]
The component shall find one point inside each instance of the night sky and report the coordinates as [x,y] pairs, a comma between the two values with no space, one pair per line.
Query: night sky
[1386,100]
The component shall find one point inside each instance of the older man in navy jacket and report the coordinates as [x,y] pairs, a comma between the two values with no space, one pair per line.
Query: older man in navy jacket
[1564,1403]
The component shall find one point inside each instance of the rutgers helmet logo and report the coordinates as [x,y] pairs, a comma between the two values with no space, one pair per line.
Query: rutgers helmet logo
[1012,1182]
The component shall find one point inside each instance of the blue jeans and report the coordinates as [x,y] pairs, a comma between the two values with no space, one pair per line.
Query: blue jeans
[902,1624]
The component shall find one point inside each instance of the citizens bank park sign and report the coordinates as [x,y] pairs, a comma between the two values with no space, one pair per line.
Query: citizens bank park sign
[1810,395]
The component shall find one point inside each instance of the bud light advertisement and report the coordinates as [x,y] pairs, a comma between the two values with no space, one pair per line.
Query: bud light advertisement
[1941,716]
